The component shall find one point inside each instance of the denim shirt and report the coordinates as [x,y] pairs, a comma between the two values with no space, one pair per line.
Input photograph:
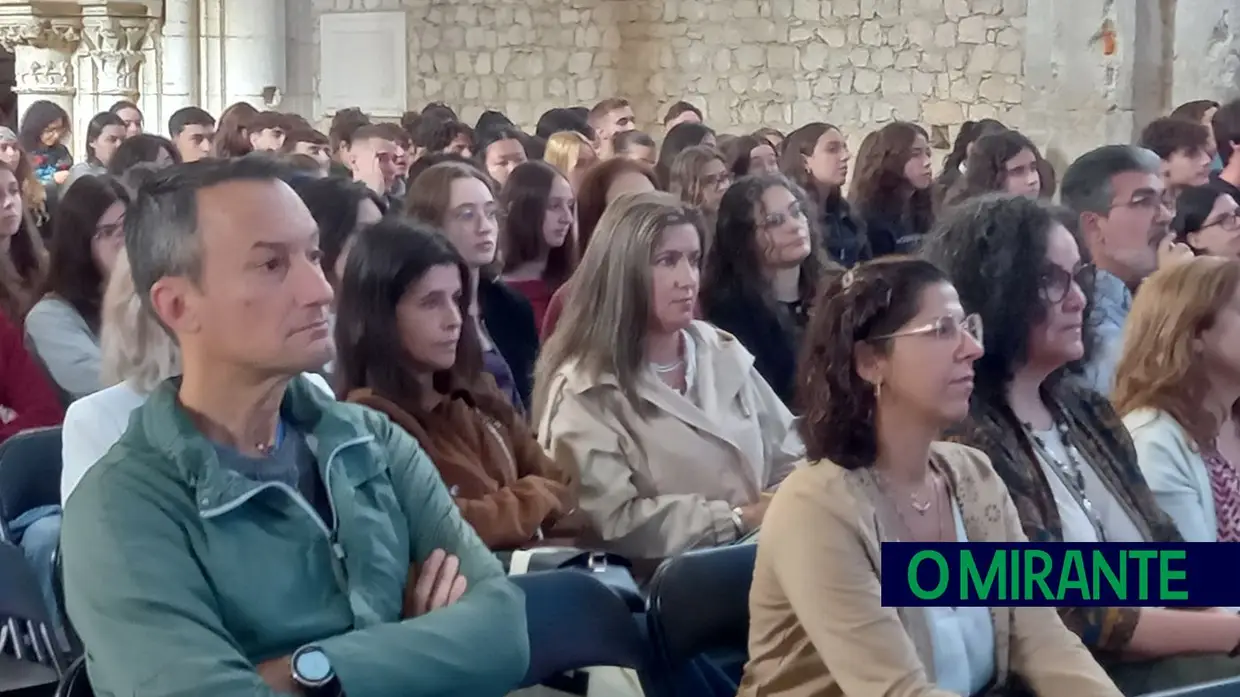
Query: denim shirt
[1112,302]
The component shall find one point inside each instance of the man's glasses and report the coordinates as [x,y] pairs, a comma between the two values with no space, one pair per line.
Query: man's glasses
[1056,282]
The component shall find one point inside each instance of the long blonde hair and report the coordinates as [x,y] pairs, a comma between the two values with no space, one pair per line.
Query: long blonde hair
[607,312]
[1161,366]
[564,150]
[133,345]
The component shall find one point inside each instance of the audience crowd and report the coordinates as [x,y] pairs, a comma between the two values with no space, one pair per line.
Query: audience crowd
[316,389]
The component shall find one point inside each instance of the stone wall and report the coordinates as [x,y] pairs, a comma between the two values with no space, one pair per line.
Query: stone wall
[747,63]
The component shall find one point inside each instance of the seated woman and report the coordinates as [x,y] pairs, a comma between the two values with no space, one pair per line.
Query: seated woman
[676,435]
[1177,391]
[63,327]
[761,273]
[538,231]
[137,355]
[1207,221]
[404,349]
[890,355]
[459,201]
[699,176]
[1004,161]
[1061,449]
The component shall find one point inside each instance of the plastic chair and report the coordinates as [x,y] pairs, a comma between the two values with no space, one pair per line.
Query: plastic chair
[1218,688]
[698,620]
[75,683]
[36,660]
[575,622]
[29,474]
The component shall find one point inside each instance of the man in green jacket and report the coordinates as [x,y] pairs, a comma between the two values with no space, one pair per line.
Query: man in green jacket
[249,535]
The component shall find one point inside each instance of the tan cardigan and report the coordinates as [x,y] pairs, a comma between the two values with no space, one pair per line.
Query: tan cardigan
[817,625]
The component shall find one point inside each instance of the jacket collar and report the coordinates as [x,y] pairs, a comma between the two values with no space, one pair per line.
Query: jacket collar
[327,426]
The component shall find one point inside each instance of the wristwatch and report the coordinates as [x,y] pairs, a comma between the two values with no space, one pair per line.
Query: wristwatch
[312,671]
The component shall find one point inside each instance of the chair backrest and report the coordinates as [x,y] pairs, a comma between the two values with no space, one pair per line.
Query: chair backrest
[699,602]
[29,473]
[22,607]
[574,621]
[75,683]
[1219,688]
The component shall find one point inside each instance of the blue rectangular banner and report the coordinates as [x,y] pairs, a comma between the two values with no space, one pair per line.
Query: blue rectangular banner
[1065,575]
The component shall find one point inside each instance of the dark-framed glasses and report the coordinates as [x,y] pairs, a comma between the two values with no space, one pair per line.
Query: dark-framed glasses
[947,327]
[1229,221]
[1056,281]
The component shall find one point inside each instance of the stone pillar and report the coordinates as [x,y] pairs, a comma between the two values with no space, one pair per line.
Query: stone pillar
[42,40]
[179,83]
[1206,64]
[253,52]
[113,49]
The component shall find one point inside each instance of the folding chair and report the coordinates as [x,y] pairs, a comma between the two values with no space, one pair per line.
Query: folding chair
[35,659]
[1218,688]
[698,619]
[575,622]
[29,474]
[75,682]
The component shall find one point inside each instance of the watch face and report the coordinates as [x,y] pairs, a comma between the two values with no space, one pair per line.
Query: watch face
[312,666]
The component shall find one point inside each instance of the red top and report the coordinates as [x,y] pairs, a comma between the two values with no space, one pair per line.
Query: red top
[27,399]
[539,294]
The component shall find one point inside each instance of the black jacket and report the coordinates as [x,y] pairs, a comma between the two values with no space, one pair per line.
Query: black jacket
[509,320]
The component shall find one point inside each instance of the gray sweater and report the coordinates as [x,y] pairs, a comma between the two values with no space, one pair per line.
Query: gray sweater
[66,346]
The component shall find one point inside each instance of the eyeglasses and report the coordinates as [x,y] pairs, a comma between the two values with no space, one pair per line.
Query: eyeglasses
[947,327]
[721,180]
[1149,201]
[1056,281]
[1229,221]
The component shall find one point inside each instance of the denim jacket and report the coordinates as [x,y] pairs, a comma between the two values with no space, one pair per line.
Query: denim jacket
[1112,303]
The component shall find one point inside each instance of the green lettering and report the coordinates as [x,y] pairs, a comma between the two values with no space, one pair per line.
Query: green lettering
[1072,576]
[970,577]
[1038,575]
[1102,567]
[922,593]
[1166,575]
[1143,557]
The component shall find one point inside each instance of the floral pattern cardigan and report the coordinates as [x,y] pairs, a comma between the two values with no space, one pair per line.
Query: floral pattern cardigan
[1101,438]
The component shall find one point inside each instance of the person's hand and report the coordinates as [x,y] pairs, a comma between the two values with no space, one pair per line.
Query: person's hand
[61,177]
[366,170]
[278,674]
[436,584]
[751,515]
[1171,252]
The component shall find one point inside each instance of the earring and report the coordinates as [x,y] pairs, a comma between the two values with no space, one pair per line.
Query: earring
[878,389]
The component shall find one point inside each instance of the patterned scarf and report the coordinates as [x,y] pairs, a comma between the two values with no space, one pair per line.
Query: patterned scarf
[1225,485]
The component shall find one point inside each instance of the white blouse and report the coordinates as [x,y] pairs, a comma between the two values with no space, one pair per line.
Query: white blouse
[963,639]
[1077,527]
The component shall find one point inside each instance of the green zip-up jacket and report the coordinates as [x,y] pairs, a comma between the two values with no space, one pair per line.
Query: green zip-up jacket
[181,575]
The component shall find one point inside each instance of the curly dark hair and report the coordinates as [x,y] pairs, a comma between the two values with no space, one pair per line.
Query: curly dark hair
[733,266]
[992,248]
[986,166]
[875,298]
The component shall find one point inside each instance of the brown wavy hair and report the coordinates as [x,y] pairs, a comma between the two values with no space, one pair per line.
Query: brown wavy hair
[592,193]
[837,405]
[1160,367]
[879,187]
[232,137]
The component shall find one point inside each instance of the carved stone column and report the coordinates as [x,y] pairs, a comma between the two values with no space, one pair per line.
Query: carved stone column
[114,38]
[43,43]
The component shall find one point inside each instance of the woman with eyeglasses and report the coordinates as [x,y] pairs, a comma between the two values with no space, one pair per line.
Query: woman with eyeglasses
[889,365]
[1177,387]
[762,272]
[63,327]
[1208,221]
[699,176]
[1067,460]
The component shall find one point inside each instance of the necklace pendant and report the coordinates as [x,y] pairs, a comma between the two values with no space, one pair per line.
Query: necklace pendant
[922,507]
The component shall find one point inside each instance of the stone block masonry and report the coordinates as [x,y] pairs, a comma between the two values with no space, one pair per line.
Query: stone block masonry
[747,63]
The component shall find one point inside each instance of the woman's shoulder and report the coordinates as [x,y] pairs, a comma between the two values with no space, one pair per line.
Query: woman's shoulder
[118,400]
[965,464]
[53,310]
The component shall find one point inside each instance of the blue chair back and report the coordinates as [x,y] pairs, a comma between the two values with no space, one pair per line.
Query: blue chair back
[1218,688]
[29,474]
[575,622]
[698,619]
[29,634]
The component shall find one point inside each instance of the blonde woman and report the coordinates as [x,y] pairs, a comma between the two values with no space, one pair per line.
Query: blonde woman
[699,176]
[137,355]
[677,437]
[571,153]
[1177,389]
